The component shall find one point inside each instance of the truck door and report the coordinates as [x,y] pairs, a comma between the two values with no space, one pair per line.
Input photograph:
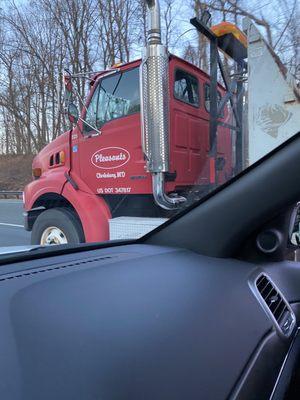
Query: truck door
[110,161]
[189,128]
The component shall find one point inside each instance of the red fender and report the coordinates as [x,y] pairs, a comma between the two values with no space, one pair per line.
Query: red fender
[49,183]
[53,178]
[93,213]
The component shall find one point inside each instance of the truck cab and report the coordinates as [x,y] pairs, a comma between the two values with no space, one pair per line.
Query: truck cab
[141,149]
[112,162]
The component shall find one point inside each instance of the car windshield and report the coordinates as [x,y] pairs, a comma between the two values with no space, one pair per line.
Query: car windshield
[110,128]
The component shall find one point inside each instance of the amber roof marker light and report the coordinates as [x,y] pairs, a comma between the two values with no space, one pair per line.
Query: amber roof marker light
[36,172]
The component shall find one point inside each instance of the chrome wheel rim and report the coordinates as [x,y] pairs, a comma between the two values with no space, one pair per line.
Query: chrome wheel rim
[53,235]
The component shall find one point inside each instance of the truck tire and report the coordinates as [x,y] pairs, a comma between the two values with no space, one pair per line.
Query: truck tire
[57,226]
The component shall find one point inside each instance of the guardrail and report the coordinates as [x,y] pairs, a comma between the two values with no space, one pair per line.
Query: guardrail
[10,193]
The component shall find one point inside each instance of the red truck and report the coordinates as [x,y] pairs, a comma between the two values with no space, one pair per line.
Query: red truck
[141,148]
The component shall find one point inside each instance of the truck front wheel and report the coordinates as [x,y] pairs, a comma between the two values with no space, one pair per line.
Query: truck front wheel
[57,226]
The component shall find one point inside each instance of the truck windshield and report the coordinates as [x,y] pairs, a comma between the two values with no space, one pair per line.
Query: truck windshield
[115,96]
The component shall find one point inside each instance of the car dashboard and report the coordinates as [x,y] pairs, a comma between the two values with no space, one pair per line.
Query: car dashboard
[148,322]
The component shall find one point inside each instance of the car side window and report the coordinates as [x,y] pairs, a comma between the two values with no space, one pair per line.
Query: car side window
[207,99]
[186,88]
[115,96]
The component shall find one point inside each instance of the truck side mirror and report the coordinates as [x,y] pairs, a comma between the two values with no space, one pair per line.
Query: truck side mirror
[73,113]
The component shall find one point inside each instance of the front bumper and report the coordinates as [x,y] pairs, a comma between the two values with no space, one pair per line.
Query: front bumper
[30,217]
[26,221]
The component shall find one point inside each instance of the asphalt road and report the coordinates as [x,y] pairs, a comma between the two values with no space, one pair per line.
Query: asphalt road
[12,232]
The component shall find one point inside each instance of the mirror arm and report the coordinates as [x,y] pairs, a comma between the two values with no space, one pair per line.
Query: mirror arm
[75,91]
[83,103]
[91,126]
[81,100]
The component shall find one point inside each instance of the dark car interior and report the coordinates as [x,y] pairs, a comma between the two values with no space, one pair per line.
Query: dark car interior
[207,306]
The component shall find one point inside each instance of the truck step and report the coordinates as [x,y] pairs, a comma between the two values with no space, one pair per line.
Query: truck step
[132,227]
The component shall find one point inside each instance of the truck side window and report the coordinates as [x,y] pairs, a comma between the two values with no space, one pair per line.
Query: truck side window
[207,99]
[115,96]
[186,88]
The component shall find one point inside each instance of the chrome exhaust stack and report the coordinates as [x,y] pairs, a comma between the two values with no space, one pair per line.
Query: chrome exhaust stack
[154,29]
[154,87]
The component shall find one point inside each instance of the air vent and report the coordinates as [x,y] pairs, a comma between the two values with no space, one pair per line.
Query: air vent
[275,305]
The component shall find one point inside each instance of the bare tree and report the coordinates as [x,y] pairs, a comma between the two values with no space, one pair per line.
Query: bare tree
[39,38]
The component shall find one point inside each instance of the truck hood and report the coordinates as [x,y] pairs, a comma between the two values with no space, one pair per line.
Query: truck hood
[58,144]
